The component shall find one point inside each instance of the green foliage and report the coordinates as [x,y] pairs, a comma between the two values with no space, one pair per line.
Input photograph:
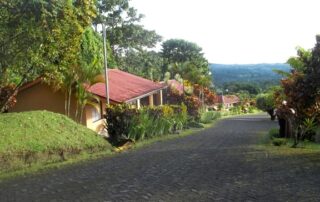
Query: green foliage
[42,38]
[180,51]
[194,73]
[90,65]
[274,133]
[125,122]
[208,117]
[186,59]
[195,124]
[251,109]
[299,62]
[29,134]
[237,110]
[192,102]
[120,120]
[279,141]
[302,92]
[91,55]
[147,64]
[193,105]
[308,129]
[265,102]
[242,87]
[124,31]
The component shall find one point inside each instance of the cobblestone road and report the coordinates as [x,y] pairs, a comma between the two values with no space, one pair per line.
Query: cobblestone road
[219,164]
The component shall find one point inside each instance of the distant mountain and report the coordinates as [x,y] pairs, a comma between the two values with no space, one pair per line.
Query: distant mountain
[260,74]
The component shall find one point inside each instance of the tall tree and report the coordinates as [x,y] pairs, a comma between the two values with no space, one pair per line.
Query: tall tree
[90,65]
[42,38]
[301,91]
[124,31]
[186,59]
[144,63]
[189,71]
[181,51]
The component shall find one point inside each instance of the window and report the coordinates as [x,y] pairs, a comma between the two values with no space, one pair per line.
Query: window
[95,114]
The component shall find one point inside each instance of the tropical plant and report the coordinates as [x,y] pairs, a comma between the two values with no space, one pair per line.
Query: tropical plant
[120,119]
[301,91]
[208,117]
[306,129]
[126,123]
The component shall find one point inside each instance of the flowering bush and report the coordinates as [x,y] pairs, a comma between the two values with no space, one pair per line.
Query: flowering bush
[192,102]
[126,123]
[119,121]
[208,95]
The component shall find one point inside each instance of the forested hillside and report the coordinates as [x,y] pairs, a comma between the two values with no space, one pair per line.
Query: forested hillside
[260,74]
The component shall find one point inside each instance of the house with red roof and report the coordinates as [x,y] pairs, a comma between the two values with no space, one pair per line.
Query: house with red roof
[227,101]
[131,89]
[123,88]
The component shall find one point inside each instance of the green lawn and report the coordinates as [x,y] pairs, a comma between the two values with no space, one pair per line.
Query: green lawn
[282,146]
[41,137]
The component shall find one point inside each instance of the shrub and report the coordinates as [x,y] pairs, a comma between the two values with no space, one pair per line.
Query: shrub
[194,124]
[209,116]
[236,110]
[251,109]
[119,121]
[193,105]
[192,102]
[126,123]
[279,141]
[274,133]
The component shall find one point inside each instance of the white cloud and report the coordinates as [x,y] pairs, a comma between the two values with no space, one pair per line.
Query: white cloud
[234,31]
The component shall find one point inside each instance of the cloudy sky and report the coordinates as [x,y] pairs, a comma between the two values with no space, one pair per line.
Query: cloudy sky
[236,31]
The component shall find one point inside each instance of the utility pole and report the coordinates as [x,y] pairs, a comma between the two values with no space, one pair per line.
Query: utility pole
[106,75]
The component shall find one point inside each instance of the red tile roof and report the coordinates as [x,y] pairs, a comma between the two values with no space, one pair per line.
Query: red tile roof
[226,99]
[124,86]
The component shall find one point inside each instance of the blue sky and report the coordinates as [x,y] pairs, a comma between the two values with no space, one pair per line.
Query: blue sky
[236,31]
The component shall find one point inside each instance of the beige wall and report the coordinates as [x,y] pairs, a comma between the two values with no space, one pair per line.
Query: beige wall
[39,97]
[42,97]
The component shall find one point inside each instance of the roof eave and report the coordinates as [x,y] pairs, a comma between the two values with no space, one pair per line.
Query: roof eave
[145,94]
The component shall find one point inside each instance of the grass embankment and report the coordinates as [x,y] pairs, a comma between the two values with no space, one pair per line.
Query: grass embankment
[39,138]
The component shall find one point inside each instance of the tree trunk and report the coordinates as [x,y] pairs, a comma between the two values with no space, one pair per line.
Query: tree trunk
[296,137]
[77,111]
[69,99]
[271,113]
[24,77]
[66,102]
[282,129]
[81,113]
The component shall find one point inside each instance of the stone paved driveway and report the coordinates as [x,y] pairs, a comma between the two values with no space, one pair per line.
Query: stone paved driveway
[218,164]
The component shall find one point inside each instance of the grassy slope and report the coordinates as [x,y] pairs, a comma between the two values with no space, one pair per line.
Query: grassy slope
[29,137]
